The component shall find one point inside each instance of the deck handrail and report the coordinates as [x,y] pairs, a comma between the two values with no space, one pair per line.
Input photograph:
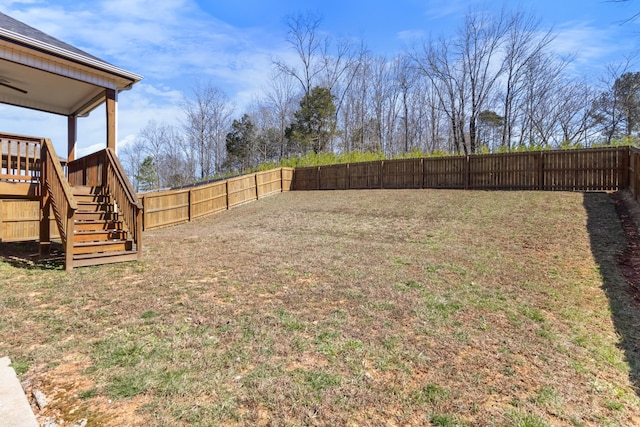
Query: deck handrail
[20,158]
[129,207]
[57,192]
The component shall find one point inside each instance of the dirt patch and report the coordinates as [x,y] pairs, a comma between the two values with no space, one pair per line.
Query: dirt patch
[72,396]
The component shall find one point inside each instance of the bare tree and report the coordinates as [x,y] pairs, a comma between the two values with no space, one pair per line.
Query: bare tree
[281,98]
[479,46]
[207,120]
[575,112]
[154,140]
[524,42]
[405,79]
[303,37]
[605,113]
[172,163]
[446,74]
[132,155]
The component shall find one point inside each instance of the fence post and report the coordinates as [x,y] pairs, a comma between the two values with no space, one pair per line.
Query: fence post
[226,191]
[467,183]
[255,176]
[318,179]
[541,171]
[190,202]
[144,212]
[381,174]
[623,181]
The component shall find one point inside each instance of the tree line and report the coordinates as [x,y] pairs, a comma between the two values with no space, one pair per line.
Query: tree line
[496,85]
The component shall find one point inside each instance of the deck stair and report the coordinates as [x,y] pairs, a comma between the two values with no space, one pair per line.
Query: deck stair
[99,236]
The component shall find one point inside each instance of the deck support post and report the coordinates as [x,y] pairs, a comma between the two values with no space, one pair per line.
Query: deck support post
[68,243]
[111,97]
[72,137]
[45,208]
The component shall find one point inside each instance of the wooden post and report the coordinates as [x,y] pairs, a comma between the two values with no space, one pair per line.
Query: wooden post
[45,207]
[111,102]
[255,176]
[72,137]
[226,190]
[623,174]
[139,227]
[68,247]
[541,171]
[467,182]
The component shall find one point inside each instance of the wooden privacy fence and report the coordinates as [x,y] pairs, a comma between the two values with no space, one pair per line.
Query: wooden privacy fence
[177,206]
[569,170]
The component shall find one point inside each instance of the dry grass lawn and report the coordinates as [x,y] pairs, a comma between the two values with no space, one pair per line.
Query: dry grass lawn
[354,308]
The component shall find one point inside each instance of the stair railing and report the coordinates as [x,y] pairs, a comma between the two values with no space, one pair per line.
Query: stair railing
[129,207]
[56,193]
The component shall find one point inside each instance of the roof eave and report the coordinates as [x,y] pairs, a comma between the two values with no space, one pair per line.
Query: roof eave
[37,45]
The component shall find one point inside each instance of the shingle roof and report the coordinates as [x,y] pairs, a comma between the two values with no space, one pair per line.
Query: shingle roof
[13,25]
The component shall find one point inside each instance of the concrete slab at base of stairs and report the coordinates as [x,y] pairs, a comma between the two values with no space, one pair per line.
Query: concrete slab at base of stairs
[15,410]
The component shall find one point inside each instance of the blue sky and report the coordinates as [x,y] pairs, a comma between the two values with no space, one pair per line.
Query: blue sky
[231,43]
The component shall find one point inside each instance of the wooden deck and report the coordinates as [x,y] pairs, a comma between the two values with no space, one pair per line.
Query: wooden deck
[39,202]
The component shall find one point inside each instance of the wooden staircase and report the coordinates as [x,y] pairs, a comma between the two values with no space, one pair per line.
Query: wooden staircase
[99,236]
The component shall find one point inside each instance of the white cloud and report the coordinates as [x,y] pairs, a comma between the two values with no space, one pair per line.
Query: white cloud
[411,36]
[590,46]
[172,43]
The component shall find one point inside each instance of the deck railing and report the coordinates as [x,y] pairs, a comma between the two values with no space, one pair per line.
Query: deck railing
[20,158]
[129,207]
[57,194]
[88,170]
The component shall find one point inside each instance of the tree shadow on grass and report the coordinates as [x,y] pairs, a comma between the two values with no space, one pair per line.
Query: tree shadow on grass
[616,250]
[25,255]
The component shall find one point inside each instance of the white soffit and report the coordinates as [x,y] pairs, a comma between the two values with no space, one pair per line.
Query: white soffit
[55,79]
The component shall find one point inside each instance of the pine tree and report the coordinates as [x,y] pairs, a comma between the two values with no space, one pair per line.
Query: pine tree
[147,176]
[314,123]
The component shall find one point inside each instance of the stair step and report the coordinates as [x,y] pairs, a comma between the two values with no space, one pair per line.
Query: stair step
[99,235]
[83,190]
[91,198]
[81,248]
[94,207]
[84,260]
[96,225]
[100,215]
